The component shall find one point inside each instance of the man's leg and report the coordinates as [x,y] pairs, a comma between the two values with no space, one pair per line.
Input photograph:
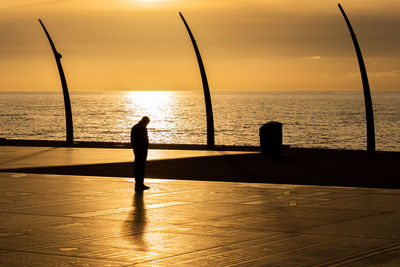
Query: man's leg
[139,170]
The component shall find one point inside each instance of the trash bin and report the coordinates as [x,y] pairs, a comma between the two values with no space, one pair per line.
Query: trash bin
[271,138]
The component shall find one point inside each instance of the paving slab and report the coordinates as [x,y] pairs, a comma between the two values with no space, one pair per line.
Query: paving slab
[75,220]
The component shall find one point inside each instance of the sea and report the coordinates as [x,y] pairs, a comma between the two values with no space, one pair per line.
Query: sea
[312,119]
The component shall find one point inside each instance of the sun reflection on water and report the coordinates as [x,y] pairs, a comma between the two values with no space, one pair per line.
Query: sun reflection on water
[159,106]
[155,104]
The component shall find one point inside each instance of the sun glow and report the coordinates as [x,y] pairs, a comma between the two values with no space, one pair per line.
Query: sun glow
[150,3]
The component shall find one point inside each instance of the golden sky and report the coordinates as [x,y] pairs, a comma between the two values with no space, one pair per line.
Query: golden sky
[245,45]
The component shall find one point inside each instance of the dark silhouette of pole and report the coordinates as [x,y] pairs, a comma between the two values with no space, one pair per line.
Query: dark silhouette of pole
[369,114]
[67,102]
[207,97]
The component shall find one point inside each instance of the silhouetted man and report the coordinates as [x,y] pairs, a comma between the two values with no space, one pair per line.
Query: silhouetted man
[140,145]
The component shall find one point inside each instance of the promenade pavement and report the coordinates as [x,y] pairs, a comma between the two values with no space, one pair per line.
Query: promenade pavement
[26,156]
[75,220]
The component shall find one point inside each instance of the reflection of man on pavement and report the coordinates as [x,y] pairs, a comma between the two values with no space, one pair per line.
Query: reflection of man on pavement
[140,144]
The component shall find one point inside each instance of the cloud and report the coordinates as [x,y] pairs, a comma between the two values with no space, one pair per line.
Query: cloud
[392,73]
[29,3]
[312,58]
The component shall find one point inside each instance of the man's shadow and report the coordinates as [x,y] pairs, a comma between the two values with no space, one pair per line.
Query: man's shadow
[136,223]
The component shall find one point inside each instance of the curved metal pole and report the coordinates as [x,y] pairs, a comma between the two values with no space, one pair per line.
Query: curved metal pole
[369,114]
[207,96]
[67,102]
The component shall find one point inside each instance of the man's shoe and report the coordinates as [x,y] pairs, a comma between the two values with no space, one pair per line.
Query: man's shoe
[141,187]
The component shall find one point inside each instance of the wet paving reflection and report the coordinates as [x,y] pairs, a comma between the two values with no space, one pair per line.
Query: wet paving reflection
[62,220]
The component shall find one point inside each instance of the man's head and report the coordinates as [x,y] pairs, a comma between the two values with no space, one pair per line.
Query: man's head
[145,120]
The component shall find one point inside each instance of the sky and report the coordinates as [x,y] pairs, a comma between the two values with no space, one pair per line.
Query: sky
[245,45]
